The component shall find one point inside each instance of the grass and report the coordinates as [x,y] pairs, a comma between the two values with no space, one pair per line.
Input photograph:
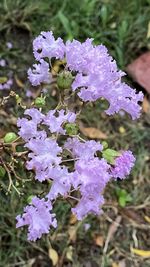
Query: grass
[122,27]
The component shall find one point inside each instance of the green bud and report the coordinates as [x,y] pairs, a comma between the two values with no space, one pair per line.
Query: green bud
[2,172]
[71,128]
[10,137]
[110,155]
[64,79]
[17,96]
[29,199]
[104,144]
[40,102]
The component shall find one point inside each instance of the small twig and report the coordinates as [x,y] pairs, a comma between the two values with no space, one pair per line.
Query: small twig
[11,184]
[66,160]
[74,198]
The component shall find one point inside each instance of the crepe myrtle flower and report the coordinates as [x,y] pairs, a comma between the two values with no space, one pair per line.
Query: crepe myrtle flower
[38,217]
[123,165]
[40,73]
[88,167]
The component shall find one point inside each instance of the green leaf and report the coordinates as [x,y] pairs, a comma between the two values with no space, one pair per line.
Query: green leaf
[110,155]
[65,22]
[122,202]
[2,172]
[128,198]
[29,199]
[104,15]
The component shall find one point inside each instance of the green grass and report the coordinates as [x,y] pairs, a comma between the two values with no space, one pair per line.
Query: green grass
[122,26]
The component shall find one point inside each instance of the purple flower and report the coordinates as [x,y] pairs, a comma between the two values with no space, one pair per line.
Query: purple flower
[7,85]
[119,95]
[29,128]
[91,177]
[123,165]
[43,156]
[35,114]
[61,183]
[2,62]
[98,77]
[94,171]
[54,121]
[90,204]
[38,218]
[82,150]
[45,45]
[40,73]
[29,93]
[9,45]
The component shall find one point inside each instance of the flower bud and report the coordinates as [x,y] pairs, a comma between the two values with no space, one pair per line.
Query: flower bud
[40,102]
[10,137]
[64,80]
[2,172]
[71,128]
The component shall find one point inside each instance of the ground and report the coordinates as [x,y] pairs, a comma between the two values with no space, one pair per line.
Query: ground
[122,26]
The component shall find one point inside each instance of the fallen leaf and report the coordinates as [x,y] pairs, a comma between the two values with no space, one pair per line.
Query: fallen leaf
[99,240]
[147,219]
[140,252]
[131,214]
[19,82]
[53,255]
[73,219]
[146,105]
[69,253]
[139,70]
[72,231]
[112,229]
[92,133]
[115,264]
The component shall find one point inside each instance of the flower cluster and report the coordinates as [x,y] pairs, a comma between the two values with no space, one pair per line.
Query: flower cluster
[83,174]
[96,76]
[88,174]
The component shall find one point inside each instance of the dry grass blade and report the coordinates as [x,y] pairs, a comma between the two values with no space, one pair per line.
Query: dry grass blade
[112,229]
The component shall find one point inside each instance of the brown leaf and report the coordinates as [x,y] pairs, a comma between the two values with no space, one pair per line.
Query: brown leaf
[139,70]
[92,133]
[19,82]
[131,214]
[73,219]
[146,105]
[99,240]
[72,231]
[112,229]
